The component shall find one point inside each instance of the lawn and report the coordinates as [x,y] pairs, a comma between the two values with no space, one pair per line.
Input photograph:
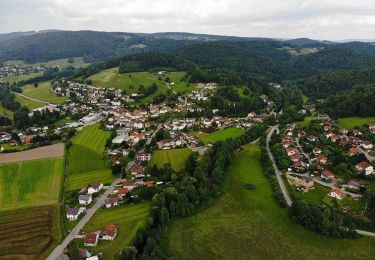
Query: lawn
[31,104]
[246,224]
[351,122]
[317,195]
[29,233]
[30,183]
[42,92]
[176,157]
[221,135]
[128,220]
[86,162]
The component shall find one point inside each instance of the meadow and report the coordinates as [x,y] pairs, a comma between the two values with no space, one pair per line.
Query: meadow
[221,135]
[352,122]
[42,92]
[77,62]
[29,233]
[12,79]
[245,224]
[30,104]
[128,220]
[86,163]
[175,157]
[30,183]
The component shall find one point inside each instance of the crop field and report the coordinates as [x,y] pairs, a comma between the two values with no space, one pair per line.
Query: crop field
[352,122]
[221,135]
[86,161]
[42,92]
[175,157]
[31,104]
[128,220]
[29,233]
[245,224]
[30,183]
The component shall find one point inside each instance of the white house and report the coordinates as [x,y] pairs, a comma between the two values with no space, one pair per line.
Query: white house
[365,167]
[73,213]
[85,199]
[91,239]
[109,232]
[94,188]
[336,193]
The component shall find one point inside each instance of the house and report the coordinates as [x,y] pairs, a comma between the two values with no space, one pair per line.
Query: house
[85,199]
[327,175]
[84,253]
[317,151]
[344,131]
[299,165]
[306,182]
[5,137]
[353,185]
[356,132]
[109,232]
[365,167]
[136,169]
[372,128]
[91,239]
[353,151]
[312,138]
[336,193]
[143,157]
[73,213]
[94,188]
[111,202]
[149,184]
[321,159]
[367,145]
[294,157]
[122,192]
[291,150]
[128,184]
[27,139]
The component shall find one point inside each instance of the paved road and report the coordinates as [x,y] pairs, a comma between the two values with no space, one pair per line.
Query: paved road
[368,156]
[76,230]
[277,171]
[300,147]
[37,100]
[365,233]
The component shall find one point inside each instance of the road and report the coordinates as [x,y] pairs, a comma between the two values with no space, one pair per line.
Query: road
[300,147]
[76,230]
[368,156]
[37,100]
[278,173]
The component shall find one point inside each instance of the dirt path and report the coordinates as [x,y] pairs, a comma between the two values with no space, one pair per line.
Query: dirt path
[50,151]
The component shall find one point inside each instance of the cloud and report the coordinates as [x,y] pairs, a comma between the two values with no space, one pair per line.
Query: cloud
[330,19]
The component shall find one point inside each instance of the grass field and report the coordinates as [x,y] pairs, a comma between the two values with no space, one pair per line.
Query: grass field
[86,163]
[351,122]
[22,77]
[176,157]
[30,183]
[42,92]
[306,121]
[128,220]
[29,233]
[31,104]
[249,224]
[221,135]
[78,62]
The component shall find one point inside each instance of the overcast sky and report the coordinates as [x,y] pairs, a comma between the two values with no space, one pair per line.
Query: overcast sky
[318,19]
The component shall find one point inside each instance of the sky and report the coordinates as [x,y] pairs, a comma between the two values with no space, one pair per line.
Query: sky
[317,19]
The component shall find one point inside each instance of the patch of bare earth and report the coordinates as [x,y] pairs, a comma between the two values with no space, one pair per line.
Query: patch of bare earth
[45,152]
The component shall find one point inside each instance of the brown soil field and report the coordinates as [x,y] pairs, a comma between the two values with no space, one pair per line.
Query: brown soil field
[50,151]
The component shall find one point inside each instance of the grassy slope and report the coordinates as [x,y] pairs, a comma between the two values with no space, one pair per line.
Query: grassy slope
[247,224]
[222,135]
[42,92]
[351,122]
[31,104]
[128,220]
[78,62]
[176,157]
[86,163]
[30,183]
[22,77]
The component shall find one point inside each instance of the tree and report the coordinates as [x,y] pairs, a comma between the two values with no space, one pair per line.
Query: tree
[36,84]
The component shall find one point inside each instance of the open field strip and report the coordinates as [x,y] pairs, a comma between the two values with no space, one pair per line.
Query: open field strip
[175,157]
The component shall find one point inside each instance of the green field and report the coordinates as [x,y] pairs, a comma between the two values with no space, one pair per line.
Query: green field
[5,112]
[86,163]
[175,157]
[78,62]
[31,104]
[30,183]
[22,77]
[351,122]
[221,135]
[29,233]
[128,220]
[42,92]
[306,121]
[249,224]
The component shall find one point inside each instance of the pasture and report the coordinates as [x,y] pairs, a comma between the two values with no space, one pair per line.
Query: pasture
[221,135]
[128,220]
[86,162]
[352,122]
[29,233]
[30,183]
[245,224]
[30,104]
[175,157]
[42,92]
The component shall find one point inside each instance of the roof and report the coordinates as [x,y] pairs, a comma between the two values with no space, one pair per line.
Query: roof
[363,165]
[72,211]
[126,182]
[136,168]
[149,183]
[122,191]
[95,185]
[337,191]
[84,197]
[90,238]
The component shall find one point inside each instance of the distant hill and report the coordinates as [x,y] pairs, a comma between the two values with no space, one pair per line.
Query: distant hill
[307,43]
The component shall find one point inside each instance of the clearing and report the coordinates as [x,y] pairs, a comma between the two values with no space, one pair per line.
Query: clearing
[42,92]
[30,183]
[246,224]
[221,135]
[86,162]
[44,152]
[128,219]
[175,157]
[352,122]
